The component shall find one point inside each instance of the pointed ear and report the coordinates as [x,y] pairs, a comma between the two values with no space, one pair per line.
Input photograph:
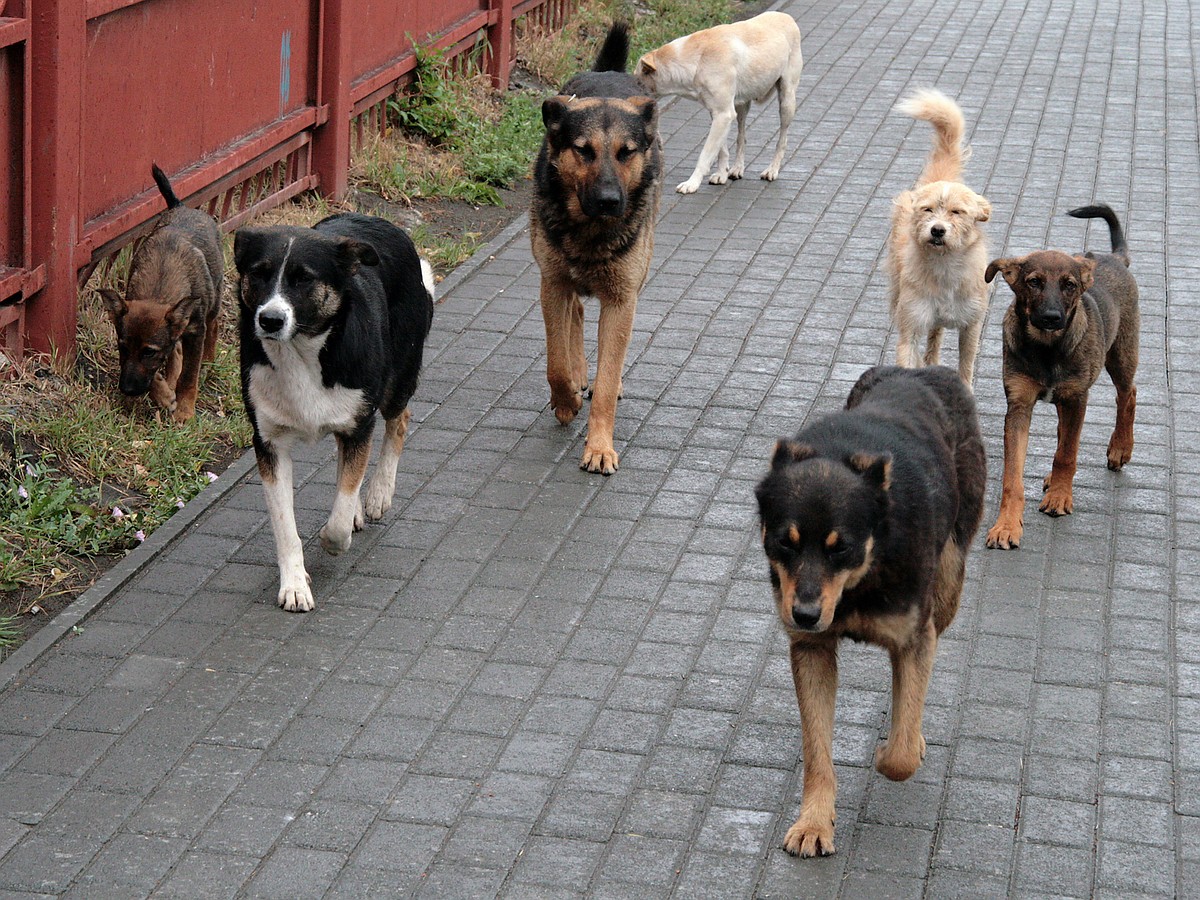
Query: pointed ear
[787,452]
[246,244]
[648,110]
[645,65]
[876,469]
[1087,271]
[1009,267]
[983,209]
[180,315]
[554,110]
[113,302]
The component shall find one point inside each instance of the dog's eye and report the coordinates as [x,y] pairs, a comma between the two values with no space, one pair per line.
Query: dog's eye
[1068,286]
[624,154]
[838,551]
[586,153]
[1035,283]
[300,277]
[148,353]
[957,212]
[926,209]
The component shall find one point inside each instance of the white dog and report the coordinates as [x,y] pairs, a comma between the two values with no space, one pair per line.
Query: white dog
[726,68]
[937,254]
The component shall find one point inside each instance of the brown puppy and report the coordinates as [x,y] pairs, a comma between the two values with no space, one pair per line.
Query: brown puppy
[597,185]
[167,321]
[1071,315]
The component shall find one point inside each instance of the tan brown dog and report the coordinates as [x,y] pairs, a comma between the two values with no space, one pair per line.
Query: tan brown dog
[1071,315]
[726,68]
[936,251]
[167,322]
[597,185]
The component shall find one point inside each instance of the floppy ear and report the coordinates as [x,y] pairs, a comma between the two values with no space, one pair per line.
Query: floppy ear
[351,254]
[246,242]
[113,302]
[790,452]
[1009,267]
[1087,271]
[876,470]
[983,209]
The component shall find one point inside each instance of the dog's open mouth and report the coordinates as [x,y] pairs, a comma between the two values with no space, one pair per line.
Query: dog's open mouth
[936,241]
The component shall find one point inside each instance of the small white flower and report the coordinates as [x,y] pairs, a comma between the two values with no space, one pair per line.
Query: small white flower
[22,493]
[140,535]
[178,503]
[210,476]
[117,514]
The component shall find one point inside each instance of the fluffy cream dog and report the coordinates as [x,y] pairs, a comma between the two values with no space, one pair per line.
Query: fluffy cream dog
[937,254]
[726,68]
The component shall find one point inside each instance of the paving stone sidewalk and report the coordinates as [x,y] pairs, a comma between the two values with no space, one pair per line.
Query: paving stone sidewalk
[531,682]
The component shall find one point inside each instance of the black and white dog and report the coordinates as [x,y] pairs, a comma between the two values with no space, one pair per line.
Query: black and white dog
[333,324]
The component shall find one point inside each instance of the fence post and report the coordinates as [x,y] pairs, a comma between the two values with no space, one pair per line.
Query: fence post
[57,44]
[499,36]
[331,139]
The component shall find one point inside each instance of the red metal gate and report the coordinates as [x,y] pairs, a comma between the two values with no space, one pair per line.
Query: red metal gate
[243,104]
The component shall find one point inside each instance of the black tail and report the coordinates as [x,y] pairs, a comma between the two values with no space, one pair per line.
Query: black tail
[164,187]
[614,54]
[1103,211]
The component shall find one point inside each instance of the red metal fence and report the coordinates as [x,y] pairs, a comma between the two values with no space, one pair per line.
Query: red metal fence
[243,104]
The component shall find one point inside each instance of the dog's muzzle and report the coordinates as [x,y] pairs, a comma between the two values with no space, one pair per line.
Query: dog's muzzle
[1052,320]
[274,321]
[937,236]
[806,616]
[134,384]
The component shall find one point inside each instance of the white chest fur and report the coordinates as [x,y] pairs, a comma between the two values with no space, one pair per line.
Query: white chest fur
[290,398]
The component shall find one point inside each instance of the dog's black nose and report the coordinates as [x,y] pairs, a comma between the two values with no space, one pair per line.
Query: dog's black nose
[1049,320]
[270,322]
[938,232]
[609,203]
[806,616]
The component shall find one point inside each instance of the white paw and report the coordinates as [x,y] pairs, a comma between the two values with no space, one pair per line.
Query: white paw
[718,177]
[379,500]
[334,539]
[359,521]
[736,172]
[295,594]
[689,186]
[769,174]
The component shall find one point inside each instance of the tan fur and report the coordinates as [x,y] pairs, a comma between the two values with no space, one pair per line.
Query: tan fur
[934,287]
[726,68]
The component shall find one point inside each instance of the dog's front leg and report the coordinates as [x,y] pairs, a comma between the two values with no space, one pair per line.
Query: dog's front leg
[968,348]
[912,665]
[189,376]
[616,328]
[275,467]
[814,673]
[559,302]
[162,387]
[722,119]
[1006,533]
[1058,500]
[346,517]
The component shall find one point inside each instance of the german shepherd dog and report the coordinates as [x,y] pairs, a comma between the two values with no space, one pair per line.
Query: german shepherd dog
[168,320]
[597,185]
[1070,316]
[333,326]
[867,516]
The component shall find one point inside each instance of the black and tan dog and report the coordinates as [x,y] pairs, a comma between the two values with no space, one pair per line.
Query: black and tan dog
[1071,316]
[597,185]
[867,516]
[168,320]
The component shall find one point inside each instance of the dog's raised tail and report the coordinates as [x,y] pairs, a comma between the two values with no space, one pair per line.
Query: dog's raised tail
[164,186]
[1104,211]
[614,52]
[948,154]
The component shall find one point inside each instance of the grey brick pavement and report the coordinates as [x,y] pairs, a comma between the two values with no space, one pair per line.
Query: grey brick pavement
[533,682]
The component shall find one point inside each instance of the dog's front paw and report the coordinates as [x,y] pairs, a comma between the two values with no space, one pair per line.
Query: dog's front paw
[1118,454]
[602,459]
[379,499]
[566,405]
[335,540]
[810,836]
[162,393]
[898,763]
[769,174]
[718,177]
[1057,502]
[185,411]
[1005,534]
[295,593]
[688,187]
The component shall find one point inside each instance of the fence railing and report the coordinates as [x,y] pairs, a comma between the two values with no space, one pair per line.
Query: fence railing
[243,105]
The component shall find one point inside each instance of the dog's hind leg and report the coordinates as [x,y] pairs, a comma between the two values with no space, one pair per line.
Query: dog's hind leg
[814,674]
[575,352]
[212,327]
[717,134]
[275,469]
[383,482]
[346,517]
[933,347]
[1122,365]
[189,377]
[787,111]
[968,349]
[947,588]
[912,665]
[738,169]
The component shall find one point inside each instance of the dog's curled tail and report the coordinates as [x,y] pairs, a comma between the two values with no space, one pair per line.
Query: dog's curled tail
[948,154]
[614,52]
[1103,211]
[164,187]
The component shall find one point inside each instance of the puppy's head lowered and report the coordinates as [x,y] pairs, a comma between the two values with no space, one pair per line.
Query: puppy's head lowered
[819,518]
[600,149]
[147,332]
[943,216]
[1048,285]
[293,280]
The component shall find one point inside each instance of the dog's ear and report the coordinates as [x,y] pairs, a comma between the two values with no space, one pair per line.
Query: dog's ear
[114,303]
[876,469]
[1009,267]
[180,315]
[351,254]
[1087,271]
[645,70]
[904,201]
[554,110]
[647,108]
[787,452]
[246,244]
[983,209]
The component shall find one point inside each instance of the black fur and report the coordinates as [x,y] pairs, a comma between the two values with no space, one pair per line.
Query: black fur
[1103,211]
[164,187]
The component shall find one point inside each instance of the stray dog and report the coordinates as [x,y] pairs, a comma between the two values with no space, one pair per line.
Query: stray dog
[936,252]
[1070,316]
[167,322]
[597,184]
[725,68]
[333,326]
[867,516]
